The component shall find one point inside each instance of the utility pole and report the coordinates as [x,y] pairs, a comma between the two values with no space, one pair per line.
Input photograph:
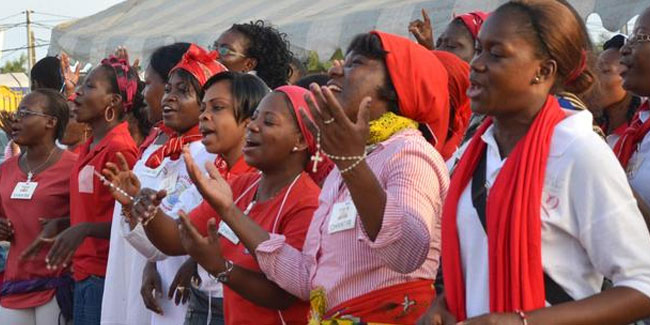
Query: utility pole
[31,58]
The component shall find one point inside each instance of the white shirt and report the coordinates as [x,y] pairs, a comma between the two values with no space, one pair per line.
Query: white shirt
[638,170]
[591,226]
[130,250]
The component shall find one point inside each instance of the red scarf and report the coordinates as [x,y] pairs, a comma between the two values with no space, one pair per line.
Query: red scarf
[627,144]
[173,146]
[513,220]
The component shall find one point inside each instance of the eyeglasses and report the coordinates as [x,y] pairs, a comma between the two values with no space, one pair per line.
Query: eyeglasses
[23,112]
[636,39]
[224,51]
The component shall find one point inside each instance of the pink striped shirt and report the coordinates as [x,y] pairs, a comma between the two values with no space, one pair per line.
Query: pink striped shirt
[347,263]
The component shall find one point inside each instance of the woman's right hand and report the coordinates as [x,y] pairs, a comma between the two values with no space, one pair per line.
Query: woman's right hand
[423,31]
[437,314]
[6,119]
[71,78]
[151,289]
[6,230]
[47,236]
[214,189]
[186,276]
[120,175]
[146,204]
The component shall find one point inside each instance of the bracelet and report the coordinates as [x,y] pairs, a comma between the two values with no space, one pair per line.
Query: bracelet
[224,276]
[522,316]
[351,167]
[145,222]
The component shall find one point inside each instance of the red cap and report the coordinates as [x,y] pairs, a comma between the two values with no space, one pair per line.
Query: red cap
[200,63]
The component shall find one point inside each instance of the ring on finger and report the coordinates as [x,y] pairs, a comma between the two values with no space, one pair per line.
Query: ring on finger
[180,289]
[330,121]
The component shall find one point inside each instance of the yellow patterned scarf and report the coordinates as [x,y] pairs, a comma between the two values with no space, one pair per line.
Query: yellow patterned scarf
[388,124]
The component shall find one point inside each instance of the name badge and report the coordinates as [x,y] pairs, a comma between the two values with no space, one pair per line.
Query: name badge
[86,179]
[343,217]
[225,231]
[24,190]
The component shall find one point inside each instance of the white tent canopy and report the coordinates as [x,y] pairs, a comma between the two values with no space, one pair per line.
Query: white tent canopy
[322,26]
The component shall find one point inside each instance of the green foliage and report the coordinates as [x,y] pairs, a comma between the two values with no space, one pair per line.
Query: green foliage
[17,65]
[315,65]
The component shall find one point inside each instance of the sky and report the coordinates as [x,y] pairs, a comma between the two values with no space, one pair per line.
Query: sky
[48,13]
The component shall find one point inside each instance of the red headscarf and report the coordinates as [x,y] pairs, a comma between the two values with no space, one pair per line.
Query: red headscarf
[202,65]
[459,109]
[420,81]
[513,220]
[297,97]
[626,145]
[473,21]
[125,86]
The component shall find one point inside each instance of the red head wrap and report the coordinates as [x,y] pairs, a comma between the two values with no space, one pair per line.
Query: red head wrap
[459,110]
[473,21]
[297,98]
[199,63]
[127,87]
[420,81]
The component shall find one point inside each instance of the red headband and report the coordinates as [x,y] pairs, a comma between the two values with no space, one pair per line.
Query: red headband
[473,21]
[125,86]
[200,63]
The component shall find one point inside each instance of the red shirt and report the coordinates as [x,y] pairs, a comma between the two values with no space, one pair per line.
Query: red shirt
[50,200]
[291,220]
[91,201]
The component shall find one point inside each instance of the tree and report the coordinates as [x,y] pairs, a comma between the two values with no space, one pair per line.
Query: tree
[17,65]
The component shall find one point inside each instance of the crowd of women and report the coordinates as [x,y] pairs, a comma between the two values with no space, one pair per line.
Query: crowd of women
[497,175]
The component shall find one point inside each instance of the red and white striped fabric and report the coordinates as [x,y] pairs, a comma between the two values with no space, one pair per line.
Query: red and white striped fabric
[348,264]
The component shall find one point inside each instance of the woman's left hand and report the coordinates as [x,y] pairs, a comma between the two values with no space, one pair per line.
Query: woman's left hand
[494,319]
[65,246]
[339,136]
[204,250]
[121,176]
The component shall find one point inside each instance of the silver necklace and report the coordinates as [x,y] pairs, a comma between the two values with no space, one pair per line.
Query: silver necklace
[30,172]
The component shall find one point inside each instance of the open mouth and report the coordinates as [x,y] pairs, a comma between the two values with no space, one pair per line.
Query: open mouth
[167,110]
[474,90]
[334,87]
[250,144]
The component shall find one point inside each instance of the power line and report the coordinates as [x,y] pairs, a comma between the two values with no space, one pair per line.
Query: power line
[52,15]
[11,16]
[23,48]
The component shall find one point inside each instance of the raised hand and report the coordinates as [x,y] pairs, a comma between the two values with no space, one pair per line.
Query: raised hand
[120,175]
[146,204]
[6,230]
[214,189]
[423,31]
[339,136]
[6,119]
[186,276]
[122,53]
[46,237]
[204,250]
[70,78]
[151,289]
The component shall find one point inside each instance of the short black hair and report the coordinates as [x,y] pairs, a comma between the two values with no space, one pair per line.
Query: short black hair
[320,78]
[247,92]
[164,58]
[271,50]
[47,72]
[56,106]
[369,45]
[299,67]
[616,42]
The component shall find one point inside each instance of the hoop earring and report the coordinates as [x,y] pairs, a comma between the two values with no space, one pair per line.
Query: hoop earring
[108,120]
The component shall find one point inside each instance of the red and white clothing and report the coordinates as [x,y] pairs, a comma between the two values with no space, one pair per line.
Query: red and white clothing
[347,264]
[287,214]
[50,200]
[638,168]
[591,226]
[91,201]
[130,249]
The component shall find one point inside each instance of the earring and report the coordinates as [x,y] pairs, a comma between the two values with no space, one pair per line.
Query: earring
[295,148]
[537,79]
[109,109]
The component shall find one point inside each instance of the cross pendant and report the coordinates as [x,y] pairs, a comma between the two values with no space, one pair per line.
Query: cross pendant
[316,158]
